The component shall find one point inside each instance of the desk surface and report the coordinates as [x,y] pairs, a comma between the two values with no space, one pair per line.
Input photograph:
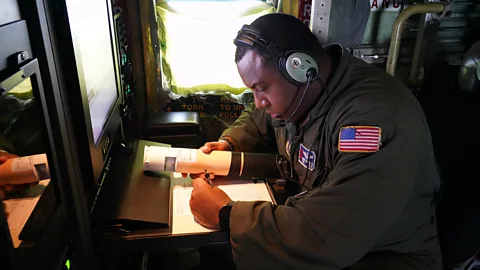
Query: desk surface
[184,232]
[21,208]
[183,221]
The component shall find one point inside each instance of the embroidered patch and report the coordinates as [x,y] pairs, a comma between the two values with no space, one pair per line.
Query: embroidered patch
[360,139]
[306,157]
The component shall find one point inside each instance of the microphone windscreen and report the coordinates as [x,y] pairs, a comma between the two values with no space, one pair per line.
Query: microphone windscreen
[278,123]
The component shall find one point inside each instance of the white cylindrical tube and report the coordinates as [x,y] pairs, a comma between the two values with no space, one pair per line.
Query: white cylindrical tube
[184,160]
[224,163]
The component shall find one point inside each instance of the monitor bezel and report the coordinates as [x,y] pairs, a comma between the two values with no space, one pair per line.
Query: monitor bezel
[112,128]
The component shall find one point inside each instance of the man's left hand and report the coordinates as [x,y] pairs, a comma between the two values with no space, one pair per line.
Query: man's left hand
[206,202]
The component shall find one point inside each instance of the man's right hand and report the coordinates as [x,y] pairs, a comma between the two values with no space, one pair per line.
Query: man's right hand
[207,148]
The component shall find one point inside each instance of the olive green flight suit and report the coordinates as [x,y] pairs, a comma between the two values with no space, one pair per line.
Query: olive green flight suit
[356,203]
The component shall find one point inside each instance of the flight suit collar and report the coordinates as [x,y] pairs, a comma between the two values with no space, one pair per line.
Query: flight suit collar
[338,81]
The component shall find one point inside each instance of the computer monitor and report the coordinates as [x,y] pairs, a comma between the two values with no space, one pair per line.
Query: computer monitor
[92,33]
[94,49]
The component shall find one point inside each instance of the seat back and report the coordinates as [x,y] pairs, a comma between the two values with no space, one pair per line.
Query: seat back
[452,115]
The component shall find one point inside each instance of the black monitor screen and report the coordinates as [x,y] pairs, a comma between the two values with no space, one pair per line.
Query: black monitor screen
[90,25]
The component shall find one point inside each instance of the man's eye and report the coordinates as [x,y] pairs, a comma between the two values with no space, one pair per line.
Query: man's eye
[262,89]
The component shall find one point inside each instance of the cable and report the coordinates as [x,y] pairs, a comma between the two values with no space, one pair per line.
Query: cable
[285,170]
[298,105]
[314,142]
[284,161]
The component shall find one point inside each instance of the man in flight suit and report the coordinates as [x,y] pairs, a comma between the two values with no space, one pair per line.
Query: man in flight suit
[364,174]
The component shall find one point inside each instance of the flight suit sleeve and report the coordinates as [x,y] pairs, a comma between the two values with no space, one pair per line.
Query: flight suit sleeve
[334,226]
[252,128]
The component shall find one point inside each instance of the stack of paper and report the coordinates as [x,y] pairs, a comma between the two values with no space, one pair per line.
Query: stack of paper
[237,190]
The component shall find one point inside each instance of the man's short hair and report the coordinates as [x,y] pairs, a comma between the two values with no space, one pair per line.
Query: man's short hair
[288,32]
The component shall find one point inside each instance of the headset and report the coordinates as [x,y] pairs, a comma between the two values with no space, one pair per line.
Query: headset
[296,66]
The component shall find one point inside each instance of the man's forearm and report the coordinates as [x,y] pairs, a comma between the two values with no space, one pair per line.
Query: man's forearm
[249,130]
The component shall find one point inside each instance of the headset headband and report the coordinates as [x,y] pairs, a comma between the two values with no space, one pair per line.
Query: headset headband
[249,36]
[296,66]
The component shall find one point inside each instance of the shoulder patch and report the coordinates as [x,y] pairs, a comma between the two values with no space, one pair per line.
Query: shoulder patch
[359,139]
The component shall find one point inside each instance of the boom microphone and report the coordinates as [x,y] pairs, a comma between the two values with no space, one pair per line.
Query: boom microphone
[282,123]
[222,163]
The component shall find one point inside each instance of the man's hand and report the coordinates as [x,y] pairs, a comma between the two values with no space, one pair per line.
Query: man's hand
[218,146]
[206,202]
[20,185]
[4,156]
[207,148]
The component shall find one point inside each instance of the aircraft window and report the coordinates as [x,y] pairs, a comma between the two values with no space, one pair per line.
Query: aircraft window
[197,47]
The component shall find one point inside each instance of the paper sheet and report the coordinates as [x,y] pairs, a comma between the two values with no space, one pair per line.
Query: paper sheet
[19,210]
[237,190]
[157,158]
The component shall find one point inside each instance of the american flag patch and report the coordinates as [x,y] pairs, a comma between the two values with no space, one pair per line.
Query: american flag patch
[359,139]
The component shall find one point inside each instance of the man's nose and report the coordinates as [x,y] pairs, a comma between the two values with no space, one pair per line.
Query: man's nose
[260,102]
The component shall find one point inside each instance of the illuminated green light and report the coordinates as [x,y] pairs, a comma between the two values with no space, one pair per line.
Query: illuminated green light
[67,264]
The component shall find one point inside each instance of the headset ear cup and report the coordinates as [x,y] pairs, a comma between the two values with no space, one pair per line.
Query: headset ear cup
[296,65]
[282,67]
